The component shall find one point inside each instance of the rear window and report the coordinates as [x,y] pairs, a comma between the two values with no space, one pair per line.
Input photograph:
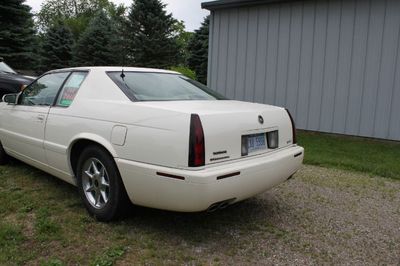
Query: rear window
[146,86]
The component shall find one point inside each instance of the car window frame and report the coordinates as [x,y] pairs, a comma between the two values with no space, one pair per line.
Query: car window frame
[63,84]
[54,104]
[45,74]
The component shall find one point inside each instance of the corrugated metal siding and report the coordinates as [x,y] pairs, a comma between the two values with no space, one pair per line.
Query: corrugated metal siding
[334,64]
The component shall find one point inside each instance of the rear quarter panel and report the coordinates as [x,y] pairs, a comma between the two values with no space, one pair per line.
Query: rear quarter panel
[151,137]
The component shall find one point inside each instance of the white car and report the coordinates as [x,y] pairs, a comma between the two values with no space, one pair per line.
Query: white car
[150,136]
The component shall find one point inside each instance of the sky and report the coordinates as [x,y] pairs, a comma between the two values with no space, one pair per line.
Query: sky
[187,10]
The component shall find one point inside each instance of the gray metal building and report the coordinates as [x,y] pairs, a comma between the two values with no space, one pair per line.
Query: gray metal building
[334,63]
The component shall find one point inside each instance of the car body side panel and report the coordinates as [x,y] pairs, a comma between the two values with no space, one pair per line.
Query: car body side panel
[22,130]
[143,143]
[160,145]
[63,131]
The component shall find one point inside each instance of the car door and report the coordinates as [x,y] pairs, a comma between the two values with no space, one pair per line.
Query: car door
[61,126]
[23,124]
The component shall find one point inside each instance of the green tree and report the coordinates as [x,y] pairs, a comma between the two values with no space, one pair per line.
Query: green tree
[56,49]
[17,34]
[76,14]
[152,38]
[118,19]
[182,38]
[198,51]
[97,45]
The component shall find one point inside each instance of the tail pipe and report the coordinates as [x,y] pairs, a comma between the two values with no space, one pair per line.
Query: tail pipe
[220,205]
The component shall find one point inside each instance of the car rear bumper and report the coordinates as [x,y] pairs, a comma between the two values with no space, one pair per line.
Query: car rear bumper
[160,187]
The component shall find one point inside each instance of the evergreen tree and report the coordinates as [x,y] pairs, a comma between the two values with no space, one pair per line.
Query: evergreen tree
[118,19]
[97,44]
[57,48]
[152,39]
[198,51]
[17,34]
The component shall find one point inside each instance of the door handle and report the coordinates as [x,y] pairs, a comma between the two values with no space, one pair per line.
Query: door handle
[40,118]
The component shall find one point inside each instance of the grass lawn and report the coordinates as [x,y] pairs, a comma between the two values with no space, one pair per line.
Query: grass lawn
[374,157]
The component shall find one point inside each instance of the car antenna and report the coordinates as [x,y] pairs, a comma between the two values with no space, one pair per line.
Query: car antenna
[122,72]
[123,64]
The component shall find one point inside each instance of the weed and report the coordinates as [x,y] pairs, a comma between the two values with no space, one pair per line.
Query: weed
[109,257]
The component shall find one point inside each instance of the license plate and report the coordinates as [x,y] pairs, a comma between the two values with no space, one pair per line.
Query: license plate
[256,142]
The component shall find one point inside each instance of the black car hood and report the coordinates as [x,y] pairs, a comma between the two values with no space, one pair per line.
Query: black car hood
[24,80]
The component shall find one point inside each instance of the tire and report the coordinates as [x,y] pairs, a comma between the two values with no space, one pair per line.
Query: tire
[100,185]
[3,156]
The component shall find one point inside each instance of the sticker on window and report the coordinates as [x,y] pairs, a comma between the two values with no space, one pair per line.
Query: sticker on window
[68,96]
[71,88]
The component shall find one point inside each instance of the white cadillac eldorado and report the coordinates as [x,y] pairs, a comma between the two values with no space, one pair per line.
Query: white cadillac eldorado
[154,137]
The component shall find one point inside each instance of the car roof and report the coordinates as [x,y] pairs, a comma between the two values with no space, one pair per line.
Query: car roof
[106,68]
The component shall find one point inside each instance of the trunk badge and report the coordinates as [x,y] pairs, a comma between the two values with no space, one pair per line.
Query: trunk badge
[260,119]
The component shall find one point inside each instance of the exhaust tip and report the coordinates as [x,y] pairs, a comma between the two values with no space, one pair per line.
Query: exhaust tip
[220,205]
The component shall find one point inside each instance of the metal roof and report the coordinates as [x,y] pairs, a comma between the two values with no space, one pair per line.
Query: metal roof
[220,4]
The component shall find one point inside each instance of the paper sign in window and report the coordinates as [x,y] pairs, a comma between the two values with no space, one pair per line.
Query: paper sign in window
[71,88]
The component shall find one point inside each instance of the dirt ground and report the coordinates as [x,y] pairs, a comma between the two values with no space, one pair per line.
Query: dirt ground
[321,216]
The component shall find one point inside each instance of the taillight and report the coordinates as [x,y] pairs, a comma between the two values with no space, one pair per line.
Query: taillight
[196,142]
[294,137]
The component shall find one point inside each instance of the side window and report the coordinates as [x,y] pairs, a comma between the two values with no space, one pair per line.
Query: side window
[70,89]
[44,90]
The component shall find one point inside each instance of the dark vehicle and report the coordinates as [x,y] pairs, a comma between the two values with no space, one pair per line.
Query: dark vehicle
[10,80]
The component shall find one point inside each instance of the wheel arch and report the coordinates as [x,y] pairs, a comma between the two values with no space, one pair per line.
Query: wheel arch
[83,140]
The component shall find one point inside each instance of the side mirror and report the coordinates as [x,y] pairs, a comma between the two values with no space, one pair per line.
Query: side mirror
[10,98]
[23,87]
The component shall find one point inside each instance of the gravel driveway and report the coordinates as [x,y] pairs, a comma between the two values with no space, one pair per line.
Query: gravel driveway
[334,216]
[322,216]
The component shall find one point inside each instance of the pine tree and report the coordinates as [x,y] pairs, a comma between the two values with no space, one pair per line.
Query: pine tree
[17,34]
[56,49]
[97,44]
[118,19]
[198,51]
[152,40]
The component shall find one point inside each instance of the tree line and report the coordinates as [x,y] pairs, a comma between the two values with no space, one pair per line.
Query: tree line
[68,33]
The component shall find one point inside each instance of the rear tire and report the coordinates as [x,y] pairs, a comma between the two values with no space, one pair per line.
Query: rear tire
[100,185]
[3,156]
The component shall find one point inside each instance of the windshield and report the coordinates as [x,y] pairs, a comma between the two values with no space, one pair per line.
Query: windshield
[145,86]
[5,68]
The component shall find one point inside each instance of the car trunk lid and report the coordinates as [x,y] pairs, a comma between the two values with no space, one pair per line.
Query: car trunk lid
[228,125]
